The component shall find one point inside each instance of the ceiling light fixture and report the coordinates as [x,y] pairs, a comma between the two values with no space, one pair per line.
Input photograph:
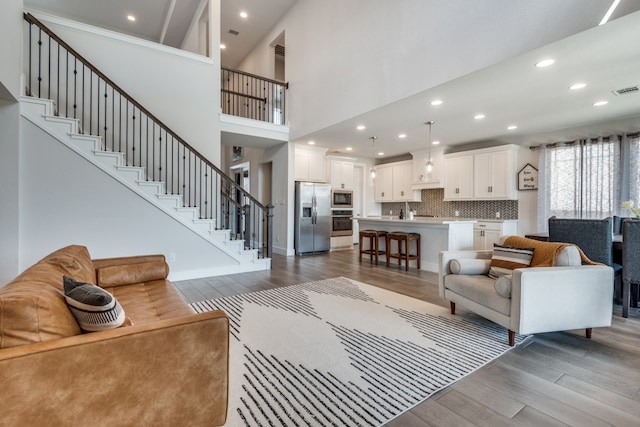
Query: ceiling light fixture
[577,86]
[436,102]
[545,63]
[131,18]
[512,127]
[600,103]
[402,135]
[223,46]
[435,143]
[479,116]
[429,165]
[607,15]
[349,148]
[311,143]
[243,14]
[380,153]
[361,127]
[372,171]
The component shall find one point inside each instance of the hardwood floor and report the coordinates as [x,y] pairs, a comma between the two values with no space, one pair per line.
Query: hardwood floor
[552,379]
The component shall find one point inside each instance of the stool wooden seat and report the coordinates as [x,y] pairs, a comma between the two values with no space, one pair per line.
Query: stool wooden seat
[403,242]
[374,236]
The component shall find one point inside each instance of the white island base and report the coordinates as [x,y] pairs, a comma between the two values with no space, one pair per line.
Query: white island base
[435,235]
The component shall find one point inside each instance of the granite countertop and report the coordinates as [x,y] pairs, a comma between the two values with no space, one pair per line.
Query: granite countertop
[418,219]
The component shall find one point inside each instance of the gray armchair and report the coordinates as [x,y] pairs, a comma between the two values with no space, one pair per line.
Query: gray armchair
[631,270]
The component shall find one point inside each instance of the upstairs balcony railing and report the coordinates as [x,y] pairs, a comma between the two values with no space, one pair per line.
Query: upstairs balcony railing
[253,97]
[55,71]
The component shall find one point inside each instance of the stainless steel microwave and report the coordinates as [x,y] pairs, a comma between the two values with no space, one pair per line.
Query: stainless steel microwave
[341,199]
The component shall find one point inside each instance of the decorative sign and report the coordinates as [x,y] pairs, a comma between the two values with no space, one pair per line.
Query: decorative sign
[528,178]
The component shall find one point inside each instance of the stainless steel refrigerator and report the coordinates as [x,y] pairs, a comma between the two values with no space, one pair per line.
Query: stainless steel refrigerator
[312,218]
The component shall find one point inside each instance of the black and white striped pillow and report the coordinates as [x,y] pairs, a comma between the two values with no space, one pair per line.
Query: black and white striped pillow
[94,308]
[505,259]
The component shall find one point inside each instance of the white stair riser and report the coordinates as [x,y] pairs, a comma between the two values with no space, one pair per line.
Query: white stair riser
[62,125]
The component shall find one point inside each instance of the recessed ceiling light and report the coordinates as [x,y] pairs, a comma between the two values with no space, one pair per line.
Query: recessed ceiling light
[243,14]
[607,15]
[577,86]
[600,103]
[436,102]
[479,116]
[545,63]
[380,153]
[402,135]
[349,148]
[435,142]
[131,18]
[512,127]
[223,46]
[361,127]
[311,143]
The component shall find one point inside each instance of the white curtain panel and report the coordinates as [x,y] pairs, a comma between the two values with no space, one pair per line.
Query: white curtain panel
[580,179]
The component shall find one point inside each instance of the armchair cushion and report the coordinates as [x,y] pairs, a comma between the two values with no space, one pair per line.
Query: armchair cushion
[508,258]
[480,289]
[503,286]
[469,266]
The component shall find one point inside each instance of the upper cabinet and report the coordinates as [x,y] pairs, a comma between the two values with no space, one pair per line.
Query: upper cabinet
[393,183]
[341,174]
[486,174]
[458,179]
[309,164]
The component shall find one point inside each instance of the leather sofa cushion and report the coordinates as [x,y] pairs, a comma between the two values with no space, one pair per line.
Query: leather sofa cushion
[118,275]
[478,288]
[150,301]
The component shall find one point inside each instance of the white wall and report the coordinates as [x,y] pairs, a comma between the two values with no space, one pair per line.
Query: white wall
[179,87]
[10,62]
[11,51]
[346,58]
[64,200]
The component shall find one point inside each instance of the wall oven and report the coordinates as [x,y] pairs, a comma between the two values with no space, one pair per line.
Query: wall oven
[341,222]
[341,199]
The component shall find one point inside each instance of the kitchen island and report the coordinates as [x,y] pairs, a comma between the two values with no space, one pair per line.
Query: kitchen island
[436,234]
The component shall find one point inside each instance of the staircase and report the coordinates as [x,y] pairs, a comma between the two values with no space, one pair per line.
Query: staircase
[170,175]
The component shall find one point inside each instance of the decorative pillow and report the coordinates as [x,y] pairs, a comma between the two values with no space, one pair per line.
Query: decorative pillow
[469,266]
[508,258]
[503,286]
[94,308]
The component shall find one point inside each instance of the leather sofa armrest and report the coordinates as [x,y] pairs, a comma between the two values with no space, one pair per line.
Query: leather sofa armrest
[545,299]
[446,256]
[159,373]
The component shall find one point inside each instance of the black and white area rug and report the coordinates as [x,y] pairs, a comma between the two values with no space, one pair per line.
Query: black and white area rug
[342,353]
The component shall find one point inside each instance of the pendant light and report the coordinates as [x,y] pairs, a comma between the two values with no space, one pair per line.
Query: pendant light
[429,163]
[373,156]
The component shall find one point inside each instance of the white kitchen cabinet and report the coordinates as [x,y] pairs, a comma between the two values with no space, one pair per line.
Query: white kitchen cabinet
[383,184]
[341,174]
[309,165]
[495,175]
[393,183]
[458,181]
[486,233]
[402,180]
[485,174]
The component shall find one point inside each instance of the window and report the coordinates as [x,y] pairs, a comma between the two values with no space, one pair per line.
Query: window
[634,169]
[579,180]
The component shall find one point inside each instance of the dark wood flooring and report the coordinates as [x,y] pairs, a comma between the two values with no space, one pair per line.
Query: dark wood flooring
[552,379]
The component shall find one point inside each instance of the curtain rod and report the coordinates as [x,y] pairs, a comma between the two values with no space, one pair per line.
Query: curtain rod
[604,139]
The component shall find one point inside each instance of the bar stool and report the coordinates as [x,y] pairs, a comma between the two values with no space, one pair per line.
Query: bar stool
[374,236]
[403,239]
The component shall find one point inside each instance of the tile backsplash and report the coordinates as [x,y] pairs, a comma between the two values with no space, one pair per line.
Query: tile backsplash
[432,204]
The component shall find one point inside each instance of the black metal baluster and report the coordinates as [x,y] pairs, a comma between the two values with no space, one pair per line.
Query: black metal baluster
[98,106]
[49,68]
[113,118]
[30,57]
[126,134]
[58,81]
[39,63]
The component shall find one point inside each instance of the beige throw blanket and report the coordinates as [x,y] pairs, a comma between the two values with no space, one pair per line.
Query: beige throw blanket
[545,253]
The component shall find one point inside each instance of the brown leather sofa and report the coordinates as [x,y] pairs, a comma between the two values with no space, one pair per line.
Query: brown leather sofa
[166,367]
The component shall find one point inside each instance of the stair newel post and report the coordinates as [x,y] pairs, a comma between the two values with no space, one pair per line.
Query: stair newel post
[269,243]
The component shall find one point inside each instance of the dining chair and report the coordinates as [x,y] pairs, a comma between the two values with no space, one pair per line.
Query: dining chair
[631,270]
[594,237]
